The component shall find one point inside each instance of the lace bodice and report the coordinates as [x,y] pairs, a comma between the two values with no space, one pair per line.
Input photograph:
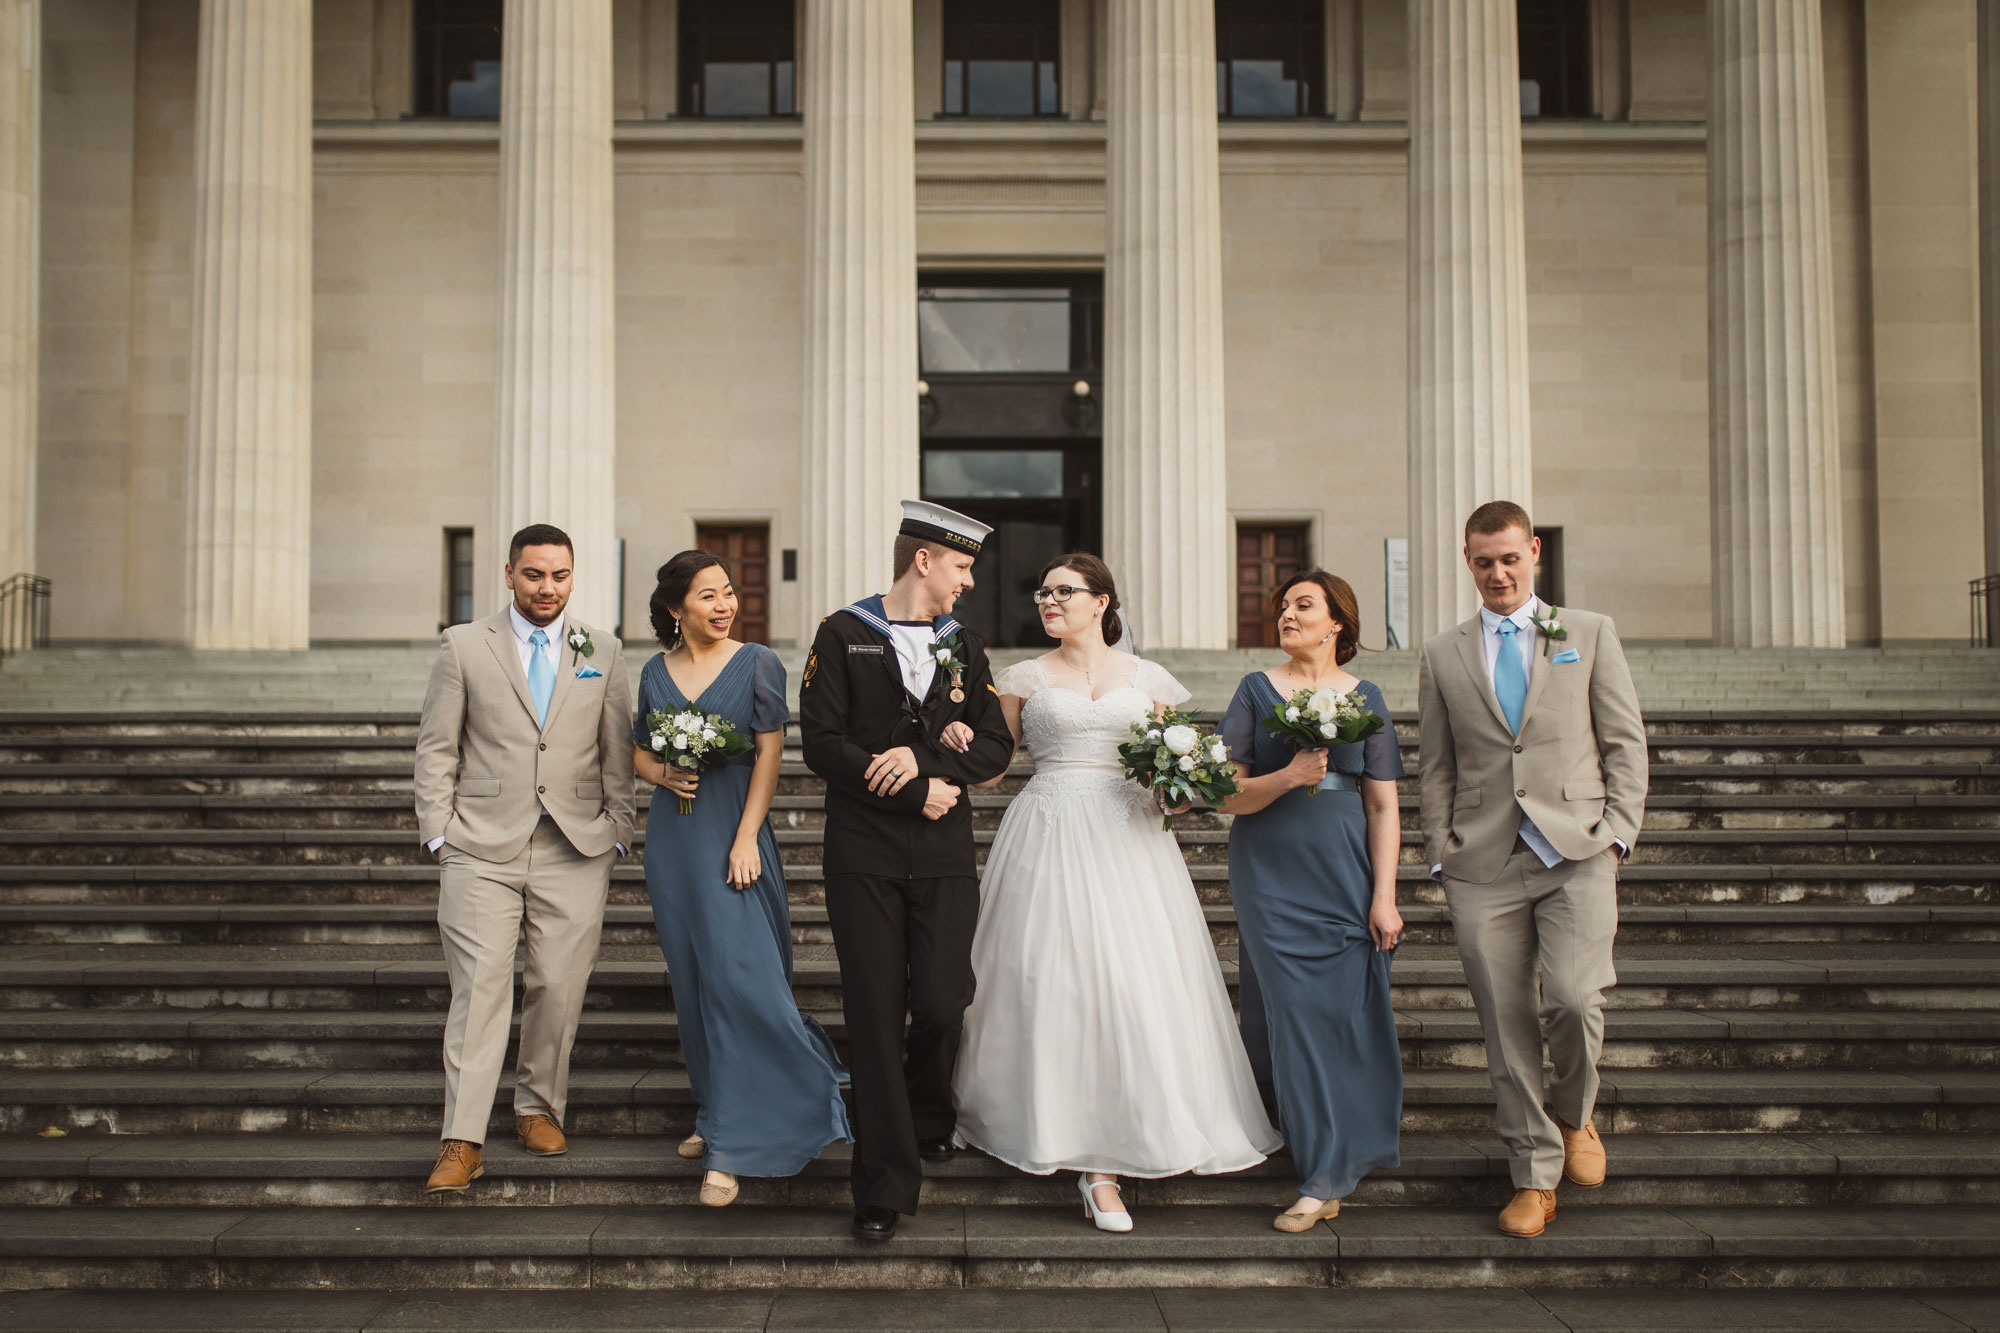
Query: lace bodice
[1065,729]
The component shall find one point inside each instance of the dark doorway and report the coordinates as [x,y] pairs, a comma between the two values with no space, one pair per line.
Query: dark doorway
[746,549]
[1549,569]
[1266,555]
[1010,428]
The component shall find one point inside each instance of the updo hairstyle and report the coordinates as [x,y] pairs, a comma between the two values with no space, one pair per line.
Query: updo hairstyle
[670,593]
[1097,578]
[1340,602]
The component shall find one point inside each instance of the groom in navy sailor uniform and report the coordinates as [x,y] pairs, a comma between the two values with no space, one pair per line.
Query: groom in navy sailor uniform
[887,677]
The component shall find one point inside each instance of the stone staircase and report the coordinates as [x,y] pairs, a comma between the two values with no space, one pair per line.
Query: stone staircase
[220,980]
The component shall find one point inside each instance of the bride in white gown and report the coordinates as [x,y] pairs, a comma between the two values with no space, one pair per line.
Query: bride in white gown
[1100,1037]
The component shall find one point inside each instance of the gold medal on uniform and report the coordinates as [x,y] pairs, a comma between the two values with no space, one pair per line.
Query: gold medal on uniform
[957,685]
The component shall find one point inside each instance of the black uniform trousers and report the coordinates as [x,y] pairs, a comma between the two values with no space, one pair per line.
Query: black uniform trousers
[905,946]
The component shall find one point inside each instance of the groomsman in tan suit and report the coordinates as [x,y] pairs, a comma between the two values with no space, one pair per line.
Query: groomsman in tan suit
[1533,779]
[524,795]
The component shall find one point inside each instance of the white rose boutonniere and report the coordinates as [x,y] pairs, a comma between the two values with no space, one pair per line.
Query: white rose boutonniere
[1549,622]
[579,642]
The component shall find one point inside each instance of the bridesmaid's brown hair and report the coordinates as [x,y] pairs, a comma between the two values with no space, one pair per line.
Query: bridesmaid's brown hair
[1340,601]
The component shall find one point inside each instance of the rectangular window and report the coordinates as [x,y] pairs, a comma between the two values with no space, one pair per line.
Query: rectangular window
[456,58]
[1555,59]
[1270,57]
[457,575]
[1002,57]
[746,549]
[994,474]
[1007,324]
[736,58]
[1549,569]
[1266,555]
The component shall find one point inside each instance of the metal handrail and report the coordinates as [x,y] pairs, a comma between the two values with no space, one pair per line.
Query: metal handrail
[1986,612]
[24,614]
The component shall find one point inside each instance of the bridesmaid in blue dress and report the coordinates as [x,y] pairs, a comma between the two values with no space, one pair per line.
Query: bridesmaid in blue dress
[764,1076]
[1314,883]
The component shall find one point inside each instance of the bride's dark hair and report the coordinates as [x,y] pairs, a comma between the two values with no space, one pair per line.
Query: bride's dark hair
[1097,578]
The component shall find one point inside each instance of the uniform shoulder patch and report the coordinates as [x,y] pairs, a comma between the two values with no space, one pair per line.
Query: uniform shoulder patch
[812,665]
[990,690]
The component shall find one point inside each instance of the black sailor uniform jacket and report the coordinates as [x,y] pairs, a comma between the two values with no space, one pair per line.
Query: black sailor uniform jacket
[854,705]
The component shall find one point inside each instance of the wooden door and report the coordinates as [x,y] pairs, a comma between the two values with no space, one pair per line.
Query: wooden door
[1266,555]
[746,548]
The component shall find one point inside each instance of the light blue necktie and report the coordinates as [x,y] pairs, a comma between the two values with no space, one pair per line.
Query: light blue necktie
[541,675]
[1510,678]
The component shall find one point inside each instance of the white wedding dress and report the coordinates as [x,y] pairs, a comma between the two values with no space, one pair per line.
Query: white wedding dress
[1100,1036]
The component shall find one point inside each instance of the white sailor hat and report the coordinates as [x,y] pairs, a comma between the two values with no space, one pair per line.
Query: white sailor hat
[947,527]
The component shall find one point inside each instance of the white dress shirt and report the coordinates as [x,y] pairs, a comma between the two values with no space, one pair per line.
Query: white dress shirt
[1524,643]
[915,655]
[524,627]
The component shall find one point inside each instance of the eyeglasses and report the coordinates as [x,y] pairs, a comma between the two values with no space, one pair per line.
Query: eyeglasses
[1060,595]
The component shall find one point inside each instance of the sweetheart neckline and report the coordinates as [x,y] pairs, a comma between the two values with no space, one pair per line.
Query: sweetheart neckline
[1079,694]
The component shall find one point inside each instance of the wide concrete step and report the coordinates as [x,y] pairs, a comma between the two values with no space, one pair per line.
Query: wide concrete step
[348,1170]
[955,1246]
[1542,1309]
[109,918]
[1936,776]
[1796,847]
[1913,979]
[87,811]
[1640,883]
[409,1039]
[649,1100]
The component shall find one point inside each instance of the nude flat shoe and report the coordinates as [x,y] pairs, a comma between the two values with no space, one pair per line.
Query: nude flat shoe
[693,1146]
[718,1196]
[1296,1222]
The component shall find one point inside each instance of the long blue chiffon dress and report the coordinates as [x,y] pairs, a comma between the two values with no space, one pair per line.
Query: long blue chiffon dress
[764,1076]
[1313,989]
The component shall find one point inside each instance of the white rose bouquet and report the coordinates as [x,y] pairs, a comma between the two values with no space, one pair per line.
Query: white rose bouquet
[1177,760]
[1317,719]
[692,741]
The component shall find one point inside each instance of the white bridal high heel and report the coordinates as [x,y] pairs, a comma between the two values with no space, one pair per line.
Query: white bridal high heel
[1102,1219]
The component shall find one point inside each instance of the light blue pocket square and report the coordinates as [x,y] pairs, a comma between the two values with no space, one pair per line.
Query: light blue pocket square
[585,673]
[1568,655]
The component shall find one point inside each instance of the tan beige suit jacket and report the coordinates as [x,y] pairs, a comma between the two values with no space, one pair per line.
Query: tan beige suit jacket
[486,770]
[1578,767]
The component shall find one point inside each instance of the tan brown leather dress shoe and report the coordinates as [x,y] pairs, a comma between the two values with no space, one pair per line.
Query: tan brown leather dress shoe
[1529,1213]
[1583,1155]
[540,1135]
[457,1166]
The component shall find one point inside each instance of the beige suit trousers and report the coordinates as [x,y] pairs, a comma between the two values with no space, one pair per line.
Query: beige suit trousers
[1559,921]
[481,904]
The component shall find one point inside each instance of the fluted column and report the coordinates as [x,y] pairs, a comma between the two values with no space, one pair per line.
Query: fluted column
[1774,444]
[1166,518]
[248,482]
[20,265]
[1468,293]
[861,295]
[556,350]
[1989,268]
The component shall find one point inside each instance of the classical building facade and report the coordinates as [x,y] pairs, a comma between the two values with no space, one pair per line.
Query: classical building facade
[306,304]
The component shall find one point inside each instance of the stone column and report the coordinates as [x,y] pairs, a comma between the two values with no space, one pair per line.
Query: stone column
[248,481]
[860,406]
[556,349]
[1989,268]
[1468,294]
[1166,518]
[1774,442]
[20,269]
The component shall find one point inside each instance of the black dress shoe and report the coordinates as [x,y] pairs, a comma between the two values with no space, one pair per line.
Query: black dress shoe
[936,1150]
[872,1223]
